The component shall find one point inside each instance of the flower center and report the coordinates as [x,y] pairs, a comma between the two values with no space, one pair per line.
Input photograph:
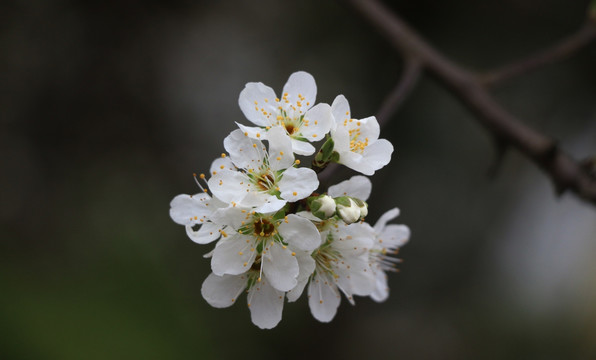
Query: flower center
[263,227]
[265,181]
[291,129]
[355,144]
[326,257]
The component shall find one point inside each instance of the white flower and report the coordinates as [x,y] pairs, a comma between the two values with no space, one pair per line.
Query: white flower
[293,112]
[268,243]
[199,210]
[265,180]
[323,207]
[358,187]
[357,141]
[264,301]
[348,210]
[342,263]
[388,239]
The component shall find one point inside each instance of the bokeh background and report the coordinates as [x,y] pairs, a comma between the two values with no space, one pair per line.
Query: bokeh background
[108,107]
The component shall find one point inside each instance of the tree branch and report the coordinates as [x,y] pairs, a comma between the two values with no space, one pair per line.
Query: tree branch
[559,51]
[566,173]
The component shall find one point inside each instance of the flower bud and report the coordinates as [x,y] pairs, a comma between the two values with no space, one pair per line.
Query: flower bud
[323,207]
[347,209]
[363,209]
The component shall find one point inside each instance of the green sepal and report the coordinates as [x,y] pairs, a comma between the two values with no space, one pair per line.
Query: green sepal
[343,200]
[359,202]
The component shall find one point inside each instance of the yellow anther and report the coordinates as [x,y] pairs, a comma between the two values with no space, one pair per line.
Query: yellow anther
[254,145]
[297,162]
[258,135]
[294,193]
[293,253]
[246,133]
[240,253]
[202,176]
[214,173]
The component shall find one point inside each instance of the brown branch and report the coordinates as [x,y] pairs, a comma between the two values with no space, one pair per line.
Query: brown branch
[393,101]
[566,173]
[559,51]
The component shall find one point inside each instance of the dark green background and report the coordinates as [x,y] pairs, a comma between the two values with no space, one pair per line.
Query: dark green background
[107,108]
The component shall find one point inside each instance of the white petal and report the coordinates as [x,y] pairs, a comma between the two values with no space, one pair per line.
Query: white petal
[280,266]
[369,128]
[323,298]
[222,291]
[281,155]
[357,186]
[394,236]
[341,138]
[229,185]
[306,265]
[257,92]
[298,183]
[301,83]
[272,204]
[189,210]
[231,216]
[302,147]
[355,276]
[245,152]
[253,132]
[221,164]
[233,255]
[300,233]
[319,122]
[381,292]
[385,218]
[265,304]
[206,234]
[378,154]
[356,162]
[340,109]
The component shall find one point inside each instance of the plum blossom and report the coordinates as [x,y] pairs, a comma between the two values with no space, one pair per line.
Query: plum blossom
[342,263]
[295,112]
[268,243]
[388,239]
[264,301]
[275,232]
[263,179]
[357,141]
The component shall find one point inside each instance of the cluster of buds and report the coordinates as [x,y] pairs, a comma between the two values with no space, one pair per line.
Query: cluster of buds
[348,208]
[275,232]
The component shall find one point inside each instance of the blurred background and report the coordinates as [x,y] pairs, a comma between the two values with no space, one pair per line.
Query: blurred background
[107,108]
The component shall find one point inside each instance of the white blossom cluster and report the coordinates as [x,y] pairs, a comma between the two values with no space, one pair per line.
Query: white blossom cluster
[274,235]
